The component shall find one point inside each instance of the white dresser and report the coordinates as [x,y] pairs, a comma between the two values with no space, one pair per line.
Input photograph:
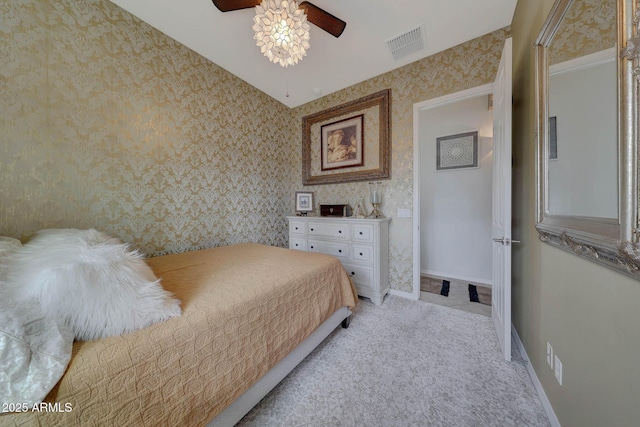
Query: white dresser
[362,245]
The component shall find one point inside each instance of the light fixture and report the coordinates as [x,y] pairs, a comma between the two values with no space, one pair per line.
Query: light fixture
[281,31]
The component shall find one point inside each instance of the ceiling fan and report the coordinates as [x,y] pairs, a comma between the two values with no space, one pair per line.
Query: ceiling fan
[319,17]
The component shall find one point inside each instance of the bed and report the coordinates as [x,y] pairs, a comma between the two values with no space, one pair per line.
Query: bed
[250,313]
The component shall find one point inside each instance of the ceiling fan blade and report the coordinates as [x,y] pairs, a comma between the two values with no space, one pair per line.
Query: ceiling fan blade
[229,5]
[323,19]
[315,15]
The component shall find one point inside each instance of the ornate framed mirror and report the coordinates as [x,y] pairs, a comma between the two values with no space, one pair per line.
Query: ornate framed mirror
[587,74]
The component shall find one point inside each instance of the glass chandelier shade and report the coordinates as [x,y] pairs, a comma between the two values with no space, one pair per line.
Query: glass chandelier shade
[281,31]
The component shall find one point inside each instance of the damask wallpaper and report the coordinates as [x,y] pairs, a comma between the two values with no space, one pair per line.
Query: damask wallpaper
[589,26]
[468,65]
[107,123]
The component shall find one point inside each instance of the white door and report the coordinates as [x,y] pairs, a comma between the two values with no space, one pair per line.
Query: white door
[501,222]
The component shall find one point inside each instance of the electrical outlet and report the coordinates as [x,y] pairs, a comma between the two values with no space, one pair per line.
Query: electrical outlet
[558,369]
[550,355]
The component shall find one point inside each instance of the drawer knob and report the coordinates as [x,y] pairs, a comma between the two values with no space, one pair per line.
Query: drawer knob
[339,250]
[353,273]
[361,233]
[312,229]
[311,247]
[360,253]
[339,231]
[296,228]
[296,244]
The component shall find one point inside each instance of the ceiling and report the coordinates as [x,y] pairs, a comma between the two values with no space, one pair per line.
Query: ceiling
[331,63]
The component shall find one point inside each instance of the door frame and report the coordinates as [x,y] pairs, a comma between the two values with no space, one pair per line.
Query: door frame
[474,92]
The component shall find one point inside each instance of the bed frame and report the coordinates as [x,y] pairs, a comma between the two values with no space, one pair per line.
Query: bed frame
[250,398]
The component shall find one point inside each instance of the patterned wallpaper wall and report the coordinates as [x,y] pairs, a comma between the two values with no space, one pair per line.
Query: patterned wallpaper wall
[468,65]
[107,123]
[588,27]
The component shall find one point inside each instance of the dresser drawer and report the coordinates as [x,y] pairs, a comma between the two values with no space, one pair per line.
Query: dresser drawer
[362,276]
[299,244]
[334,231]
[337,249]
[362,233]
[362,253]
[361,245]
[297,227]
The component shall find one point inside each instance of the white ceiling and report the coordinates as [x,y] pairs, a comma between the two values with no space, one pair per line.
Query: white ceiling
[331,63]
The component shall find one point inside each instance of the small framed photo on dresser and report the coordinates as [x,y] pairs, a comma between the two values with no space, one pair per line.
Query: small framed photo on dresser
[304,202]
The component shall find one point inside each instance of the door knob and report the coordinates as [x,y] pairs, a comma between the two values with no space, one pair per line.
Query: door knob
[504,241]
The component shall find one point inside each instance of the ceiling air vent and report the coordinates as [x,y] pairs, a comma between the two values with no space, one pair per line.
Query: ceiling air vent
[406,43]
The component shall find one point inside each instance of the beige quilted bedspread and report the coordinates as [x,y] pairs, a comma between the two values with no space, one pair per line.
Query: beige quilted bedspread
[244,308]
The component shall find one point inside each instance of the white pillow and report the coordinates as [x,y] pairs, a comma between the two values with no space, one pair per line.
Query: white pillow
[8,244]
[94,282]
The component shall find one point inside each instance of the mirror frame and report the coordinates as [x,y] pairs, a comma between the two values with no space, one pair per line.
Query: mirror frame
[612,242]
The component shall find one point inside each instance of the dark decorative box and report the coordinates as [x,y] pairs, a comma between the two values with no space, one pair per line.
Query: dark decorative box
[335,210]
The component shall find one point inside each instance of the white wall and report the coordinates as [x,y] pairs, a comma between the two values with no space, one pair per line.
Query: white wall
[583,180]
[455,205]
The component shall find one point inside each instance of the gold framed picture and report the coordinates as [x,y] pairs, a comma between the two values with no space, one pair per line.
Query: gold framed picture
[349,142]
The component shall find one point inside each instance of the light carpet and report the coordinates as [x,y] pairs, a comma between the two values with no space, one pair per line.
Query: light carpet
[405,363]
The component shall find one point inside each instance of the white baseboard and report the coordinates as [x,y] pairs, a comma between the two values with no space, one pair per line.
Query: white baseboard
[553,420]
[403,294]
[484,282]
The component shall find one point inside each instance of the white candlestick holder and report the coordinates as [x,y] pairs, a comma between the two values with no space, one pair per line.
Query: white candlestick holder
[375,195]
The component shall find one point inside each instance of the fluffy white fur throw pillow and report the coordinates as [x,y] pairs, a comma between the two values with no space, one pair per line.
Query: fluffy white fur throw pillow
[97,284]
[8,244]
